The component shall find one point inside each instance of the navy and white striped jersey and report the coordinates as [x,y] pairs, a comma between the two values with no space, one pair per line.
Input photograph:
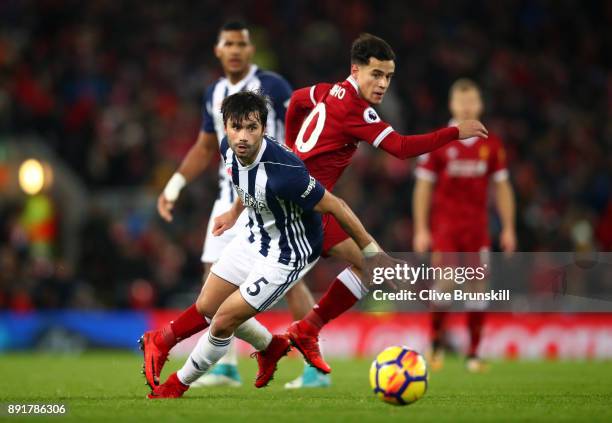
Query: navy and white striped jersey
[280,195]
[271,84]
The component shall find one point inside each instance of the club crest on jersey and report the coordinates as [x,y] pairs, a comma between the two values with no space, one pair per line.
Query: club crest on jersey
[370,115]
[256,202]
[483,152]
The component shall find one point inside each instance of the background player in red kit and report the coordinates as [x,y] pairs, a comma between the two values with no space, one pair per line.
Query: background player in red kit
[324,124]
[450,197]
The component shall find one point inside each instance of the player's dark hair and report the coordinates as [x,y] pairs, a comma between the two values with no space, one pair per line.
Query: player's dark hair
[236,25]
[368,45]
[243,105]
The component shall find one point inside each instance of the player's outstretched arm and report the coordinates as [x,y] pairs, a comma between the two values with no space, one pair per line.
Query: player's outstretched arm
[373,255]
[504,199]
[197,159]
[227,220]
[405,146]
[347,219]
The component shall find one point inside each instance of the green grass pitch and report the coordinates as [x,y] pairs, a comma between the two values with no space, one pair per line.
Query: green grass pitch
[108,386]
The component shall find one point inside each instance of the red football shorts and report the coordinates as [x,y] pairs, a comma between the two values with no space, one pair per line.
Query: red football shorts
[333,234]
[460,239]
[465,239]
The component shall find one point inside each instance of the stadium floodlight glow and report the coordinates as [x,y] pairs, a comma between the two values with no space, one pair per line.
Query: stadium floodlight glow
[31,176]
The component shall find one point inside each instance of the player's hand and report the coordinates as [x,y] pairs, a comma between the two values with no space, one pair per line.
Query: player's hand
[472,128]
[421,241]
[381,260]
[164,207]
[223,222]
[507,241]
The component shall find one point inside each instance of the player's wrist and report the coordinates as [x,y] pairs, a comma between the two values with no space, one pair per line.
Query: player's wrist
[174,186]
[421,230]
[370,250]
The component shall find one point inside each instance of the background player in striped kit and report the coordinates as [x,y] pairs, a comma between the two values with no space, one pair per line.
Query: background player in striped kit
[235,53]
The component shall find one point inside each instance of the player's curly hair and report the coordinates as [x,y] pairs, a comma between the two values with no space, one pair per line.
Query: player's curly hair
[243,105]
[368,45]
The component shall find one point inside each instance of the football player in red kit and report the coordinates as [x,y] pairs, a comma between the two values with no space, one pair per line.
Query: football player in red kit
[324,124]
[450,197]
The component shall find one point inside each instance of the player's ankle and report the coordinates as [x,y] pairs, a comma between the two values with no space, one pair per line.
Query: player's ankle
[165,338]
[311,323]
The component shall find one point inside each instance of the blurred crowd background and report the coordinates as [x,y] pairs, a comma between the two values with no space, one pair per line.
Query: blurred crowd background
[112,92]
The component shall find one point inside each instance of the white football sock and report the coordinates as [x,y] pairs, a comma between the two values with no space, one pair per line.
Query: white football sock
[231,357]
[207,352]
[254,333]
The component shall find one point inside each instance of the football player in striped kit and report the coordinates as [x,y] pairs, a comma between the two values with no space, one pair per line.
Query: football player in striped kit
[281,243]
[235,52]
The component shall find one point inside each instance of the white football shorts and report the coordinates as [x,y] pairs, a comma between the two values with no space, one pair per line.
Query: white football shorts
[262,282]
[214,245]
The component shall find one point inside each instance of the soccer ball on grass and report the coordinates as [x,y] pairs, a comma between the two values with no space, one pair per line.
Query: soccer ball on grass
[399,375]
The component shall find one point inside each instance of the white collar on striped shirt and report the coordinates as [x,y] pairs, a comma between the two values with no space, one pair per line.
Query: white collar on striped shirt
[262,148]
[243,82]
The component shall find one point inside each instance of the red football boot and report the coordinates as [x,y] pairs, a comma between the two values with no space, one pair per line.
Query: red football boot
[306,340]
[155,356]
[172,388]
[268,358]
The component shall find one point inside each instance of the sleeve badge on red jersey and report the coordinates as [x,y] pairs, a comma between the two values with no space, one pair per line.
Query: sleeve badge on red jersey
[483,152]
[370,115]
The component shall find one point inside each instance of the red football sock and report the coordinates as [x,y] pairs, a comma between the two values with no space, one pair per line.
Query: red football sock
[437,329]
[188,323]
[475,321]
[334,302]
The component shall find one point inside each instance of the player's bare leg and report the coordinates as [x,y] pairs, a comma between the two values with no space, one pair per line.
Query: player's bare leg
[343,293]
[475,323]
[436,358]
[234,316]
[225,372]
[156,344]
[300,302]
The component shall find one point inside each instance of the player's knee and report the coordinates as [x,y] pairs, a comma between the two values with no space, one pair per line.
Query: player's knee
[224,324]
[296,292]
[203,307]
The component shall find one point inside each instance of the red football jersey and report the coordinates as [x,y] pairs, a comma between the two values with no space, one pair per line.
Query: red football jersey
[325,122]
[461,171]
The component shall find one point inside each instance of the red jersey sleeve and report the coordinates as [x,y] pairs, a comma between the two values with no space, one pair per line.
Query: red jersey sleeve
[497,160]
[405,146]
[367,126]
[364,124]
[301,103]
